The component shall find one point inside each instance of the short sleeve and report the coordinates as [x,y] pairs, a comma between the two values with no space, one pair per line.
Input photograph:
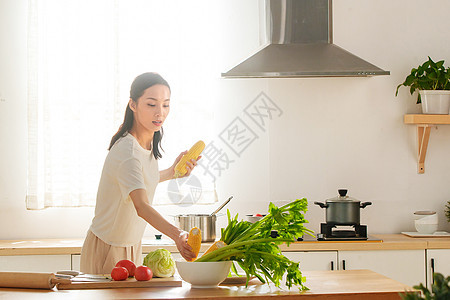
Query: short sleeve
[130,176]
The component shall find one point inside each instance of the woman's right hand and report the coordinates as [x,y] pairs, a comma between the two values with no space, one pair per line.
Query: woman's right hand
[183,247]
[148,213]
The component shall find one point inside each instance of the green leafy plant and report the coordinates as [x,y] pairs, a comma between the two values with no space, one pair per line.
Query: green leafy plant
[255,249]
[428,76]
[447,211]
[440,290]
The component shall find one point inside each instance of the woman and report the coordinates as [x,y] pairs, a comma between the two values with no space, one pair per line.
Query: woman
[128,182]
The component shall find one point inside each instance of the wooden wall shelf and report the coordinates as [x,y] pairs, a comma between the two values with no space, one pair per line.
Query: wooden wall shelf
[424,123]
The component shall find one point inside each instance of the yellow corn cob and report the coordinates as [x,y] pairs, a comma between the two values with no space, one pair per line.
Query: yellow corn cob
[215,246]
[193,153]
[195,240]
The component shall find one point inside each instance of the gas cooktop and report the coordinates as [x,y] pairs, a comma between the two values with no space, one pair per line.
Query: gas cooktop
[333,232]
[320,238]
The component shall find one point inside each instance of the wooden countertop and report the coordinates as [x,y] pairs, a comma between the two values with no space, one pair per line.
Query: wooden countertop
[388,242]
[348,284]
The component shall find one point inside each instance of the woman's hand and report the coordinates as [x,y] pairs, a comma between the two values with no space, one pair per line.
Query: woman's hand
[183,247]
[190,165]
[170,172]
[154,218]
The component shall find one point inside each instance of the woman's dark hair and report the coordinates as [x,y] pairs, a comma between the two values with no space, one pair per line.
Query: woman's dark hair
[139,85]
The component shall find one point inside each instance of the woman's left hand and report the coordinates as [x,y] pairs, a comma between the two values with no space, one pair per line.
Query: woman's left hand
[190,165]
[169,173]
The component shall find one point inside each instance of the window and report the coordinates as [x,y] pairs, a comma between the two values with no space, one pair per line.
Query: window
[83,56]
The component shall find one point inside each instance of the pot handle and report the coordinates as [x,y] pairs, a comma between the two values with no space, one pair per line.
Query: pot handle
[322,205]
[364,204]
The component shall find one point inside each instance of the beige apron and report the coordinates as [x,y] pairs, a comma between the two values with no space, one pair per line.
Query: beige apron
[98,257]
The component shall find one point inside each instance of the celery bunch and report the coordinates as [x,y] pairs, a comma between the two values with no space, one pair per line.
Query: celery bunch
[257,253]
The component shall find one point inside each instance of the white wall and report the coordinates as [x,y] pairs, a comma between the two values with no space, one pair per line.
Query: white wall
[333,133]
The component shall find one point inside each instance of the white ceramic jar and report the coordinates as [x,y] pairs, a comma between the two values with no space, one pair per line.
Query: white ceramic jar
[426,222]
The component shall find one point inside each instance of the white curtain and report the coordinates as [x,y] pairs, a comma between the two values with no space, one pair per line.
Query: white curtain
[83,56]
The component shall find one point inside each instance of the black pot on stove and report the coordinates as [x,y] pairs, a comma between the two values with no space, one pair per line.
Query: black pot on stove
[343,210]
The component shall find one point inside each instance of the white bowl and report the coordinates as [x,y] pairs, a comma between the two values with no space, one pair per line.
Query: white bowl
[203,274]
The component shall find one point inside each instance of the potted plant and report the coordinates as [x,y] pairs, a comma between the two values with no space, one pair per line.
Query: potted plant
[432,80]
[440,290]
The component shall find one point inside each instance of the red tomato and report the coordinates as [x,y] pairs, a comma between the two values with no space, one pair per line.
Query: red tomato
[143,273]
[119,273]
[127,264]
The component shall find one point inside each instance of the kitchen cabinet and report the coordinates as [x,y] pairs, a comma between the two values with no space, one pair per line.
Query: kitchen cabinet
[424,122]
[35,263]
[314,260]
[175,255]
[309,260]
[405,266]
[75,261]
[438,260]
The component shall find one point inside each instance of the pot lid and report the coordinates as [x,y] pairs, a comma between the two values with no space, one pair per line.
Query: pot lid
[342,197]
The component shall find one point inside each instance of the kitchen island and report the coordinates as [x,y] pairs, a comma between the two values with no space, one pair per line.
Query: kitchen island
[346,284]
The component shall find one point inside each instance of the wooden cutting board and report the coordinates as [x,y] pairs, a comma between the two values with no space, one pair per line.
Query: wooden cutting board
[129,283]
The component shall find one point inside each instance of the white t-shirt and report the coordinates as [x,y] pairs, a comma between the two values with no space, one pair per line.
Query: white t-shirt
[127,167]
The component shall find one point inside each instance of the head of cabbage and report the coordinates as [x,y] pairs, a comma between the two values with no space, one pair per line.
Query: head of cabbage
[160,262]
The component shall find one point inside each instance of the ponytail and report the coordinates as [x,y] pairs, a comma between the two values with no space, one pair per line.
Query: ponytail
[125,127]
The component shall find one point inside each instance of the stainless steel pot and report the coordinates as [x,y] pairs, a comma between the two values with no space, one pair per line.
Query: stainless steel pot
[343,210]
[206,223]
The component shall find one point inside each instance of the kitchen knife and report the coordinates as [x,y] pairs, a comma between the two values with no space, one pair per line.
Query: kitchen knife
[90,279]
[80,276]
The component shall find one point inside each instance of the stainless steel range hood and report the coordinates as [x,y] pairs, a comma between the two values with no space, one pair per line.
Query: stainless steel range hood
[300,44]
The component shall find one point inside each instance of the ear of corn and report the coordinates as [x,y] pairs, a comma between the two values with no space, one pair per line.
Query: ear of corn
[193,153]
[216,245]
[195,241]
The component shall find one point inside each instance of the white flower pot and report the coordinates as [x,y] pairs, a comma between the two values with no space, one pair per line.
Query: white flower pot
[435,101]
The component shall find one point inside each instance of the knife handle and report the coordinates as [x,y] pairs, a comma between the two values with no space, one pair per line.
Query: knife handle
[69,272]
